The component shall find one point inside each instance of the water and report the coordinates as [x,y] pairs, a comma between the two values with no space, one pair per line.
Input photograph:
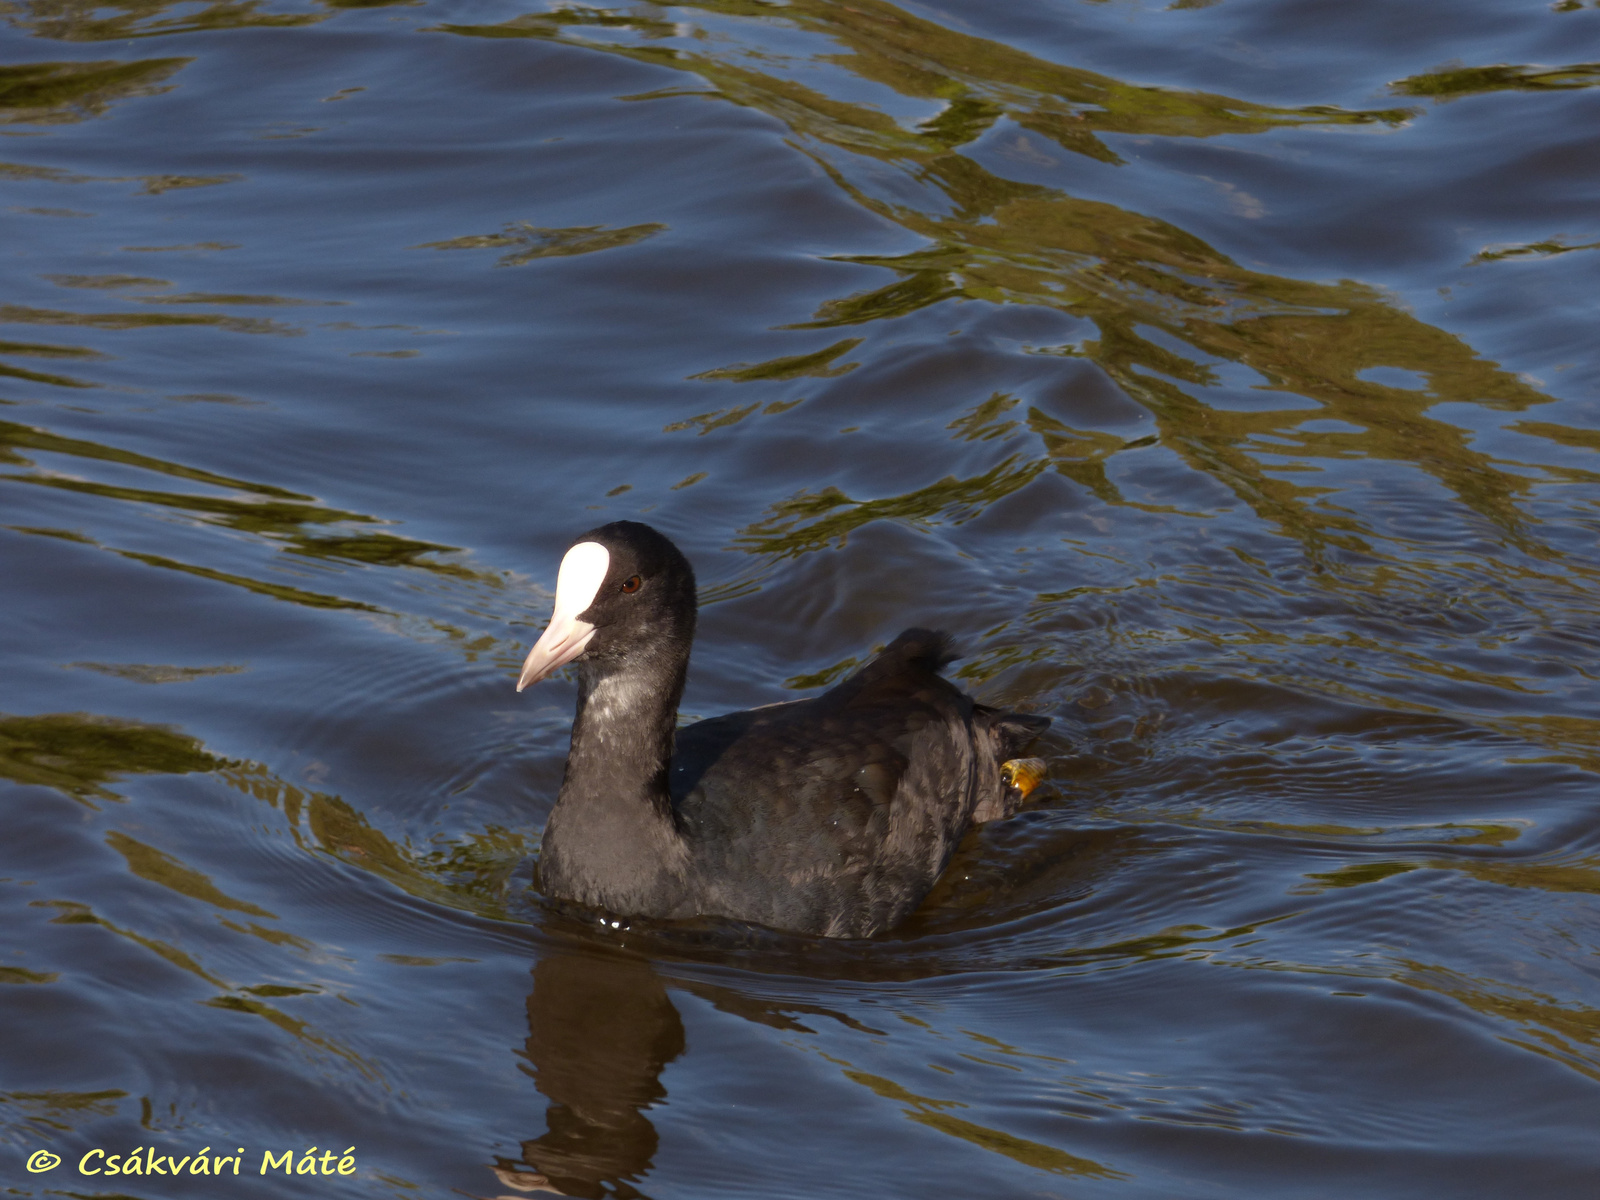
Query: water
[1221,374]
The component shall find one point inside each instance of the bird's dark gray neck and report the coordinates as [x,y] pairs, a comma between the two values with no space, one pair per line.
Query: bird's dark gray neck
[611,840]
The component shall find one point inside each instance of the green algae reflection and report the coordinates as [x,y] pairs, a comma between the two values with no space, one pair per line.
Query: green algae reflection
[159,867]
[1182,328]
[934,1114]
[294,522]
[80,753]
[526,242]
[975,81]
[1472,81]
[58,1112]
[1565,1032]
[74,913]
[118,20]
[55,92]
[471,873]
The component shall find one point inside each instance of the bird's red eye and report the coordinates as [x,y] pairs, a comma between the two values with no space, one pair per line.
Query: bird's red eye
[631,584]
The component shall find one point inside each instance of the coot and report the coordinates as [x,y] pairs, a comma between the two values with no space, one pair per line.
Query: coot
[832,815]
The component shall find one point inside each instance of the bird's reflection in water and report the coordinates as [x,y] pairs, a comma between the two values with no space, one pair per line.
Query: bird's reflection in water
[600,1030]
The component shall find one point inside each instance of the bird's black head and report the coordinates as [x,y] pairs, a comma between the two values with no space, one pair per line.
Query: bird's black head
[624,594]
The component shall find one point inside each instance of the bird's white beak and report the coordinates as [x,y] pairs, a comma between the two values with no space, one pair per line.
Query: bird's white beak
[582,572]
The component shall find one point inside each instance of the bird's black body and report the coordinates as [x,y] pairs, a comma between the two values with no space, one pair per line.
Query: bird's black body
[832,815]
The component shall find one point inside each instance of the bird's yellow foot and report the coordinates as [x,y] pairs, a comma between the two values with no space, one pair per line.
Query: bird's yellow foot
[1023,774]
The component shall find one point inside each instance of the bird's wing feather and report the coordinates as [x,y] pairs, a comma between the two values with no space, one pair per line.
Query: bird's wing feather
[864,789]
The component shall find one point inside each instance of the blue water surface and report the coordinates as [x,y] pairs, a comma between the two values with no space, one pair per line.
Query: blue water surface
[1222,375]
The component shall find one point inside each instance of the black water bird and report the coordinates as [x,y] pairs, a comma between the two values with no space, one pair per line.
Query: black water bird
[832,815]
